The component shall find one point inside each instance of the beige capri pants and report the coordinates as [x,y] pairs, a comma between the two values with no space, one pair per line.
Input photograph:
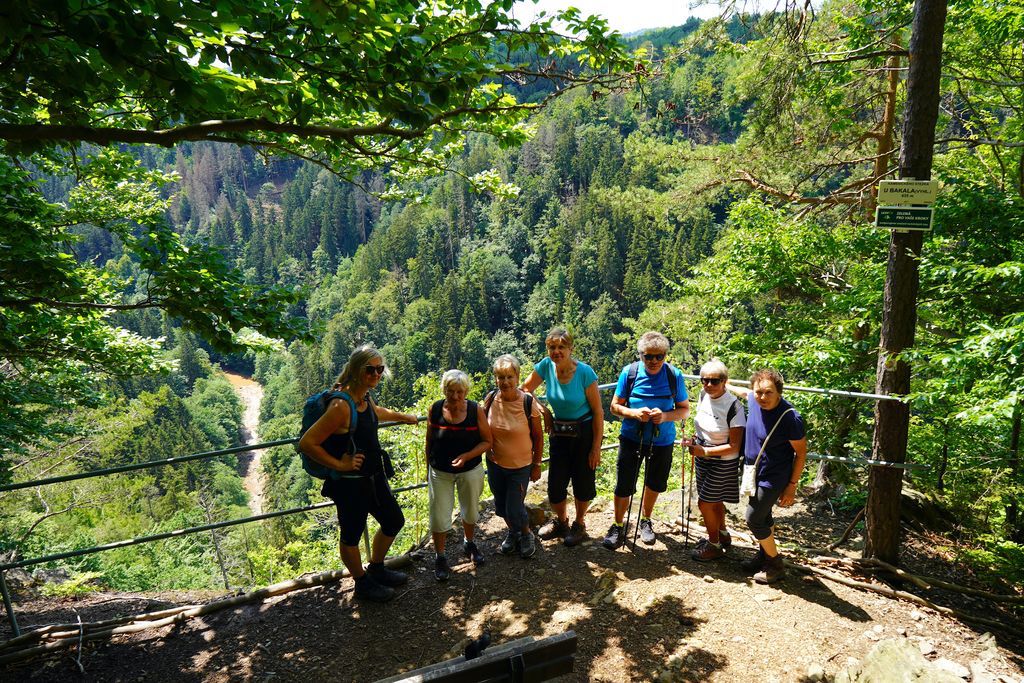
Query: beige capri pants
[442,487]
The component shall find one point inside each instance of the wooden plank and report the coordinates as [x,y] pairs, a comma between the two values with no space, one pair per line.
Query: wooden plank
[541,660]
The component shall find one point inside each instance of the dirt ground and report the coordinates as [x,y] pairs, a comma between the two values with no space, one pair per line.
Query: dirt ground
[633,612]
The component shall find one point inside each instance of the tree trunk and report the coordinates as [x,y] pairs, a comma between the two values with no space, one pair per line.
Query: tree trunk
[940,479]
[1014,530]
[899,314]
[885,135]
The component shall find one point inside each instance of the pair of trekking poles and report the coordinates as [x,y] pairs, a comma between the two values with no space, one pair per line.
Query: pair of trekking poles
[643,461]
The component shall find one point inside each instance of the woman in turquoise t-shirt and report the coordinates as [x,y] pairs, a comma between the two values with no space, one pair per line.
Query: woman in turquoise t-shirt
[575,431]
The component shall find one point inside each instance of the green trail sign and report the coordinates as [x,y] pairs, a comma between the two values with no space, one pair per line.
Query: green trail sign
[904,217]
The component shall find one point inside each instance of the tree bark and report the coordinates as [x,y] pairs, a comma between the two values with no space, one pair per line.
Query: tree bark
[1014,530]
[899,315]
[940,478]
[885,135]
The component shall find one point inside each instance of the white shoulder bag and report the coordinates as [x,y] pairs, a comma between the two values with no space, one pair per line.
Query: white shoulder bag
[748,485]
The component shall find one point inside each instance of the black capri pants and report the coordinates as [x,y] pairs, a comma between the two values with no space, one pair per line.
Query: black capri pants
[759,512]
[357,497]
[570,461]
[659,463]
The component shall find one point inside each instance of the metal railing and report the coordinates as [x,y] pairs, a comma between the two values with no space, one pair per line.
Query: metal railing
[316,506]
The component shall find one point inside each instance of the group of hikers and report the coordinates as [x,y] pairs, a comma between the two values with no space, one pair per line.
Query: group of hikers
[766,440]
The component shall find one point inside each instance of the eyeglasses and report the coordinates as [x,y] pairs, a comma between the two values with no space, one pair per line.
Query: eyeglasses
[370,369]
[713,381]
[653,356]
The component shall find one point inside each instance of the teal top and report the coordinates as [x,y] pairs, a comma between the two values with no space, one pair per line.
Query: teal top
[567,401]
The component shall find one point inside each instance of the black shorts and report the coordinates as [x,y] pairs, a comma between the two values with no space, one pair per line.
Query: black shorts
[570,461]
[659,464]
[358,497]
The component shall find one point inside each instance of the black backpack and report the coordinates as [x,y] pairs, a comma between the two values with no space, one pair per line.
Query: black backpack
[728,421]
[527,406]
[634,368]
[313,410]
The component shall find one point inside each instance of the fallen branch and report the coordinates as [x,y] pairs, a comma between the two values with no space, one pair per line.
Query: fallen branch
[932,582]
[849,530]
[52,629]
[89,631]
[903,595]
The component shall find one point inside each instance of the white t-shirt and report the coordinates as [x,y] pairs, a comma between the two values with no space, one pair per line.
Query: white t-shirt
[710,420]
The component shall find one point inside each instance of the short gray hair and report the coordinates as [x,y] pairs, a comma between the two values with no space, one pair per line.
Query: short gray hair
[716,368]
[507,362]
[652,341]
[456,377]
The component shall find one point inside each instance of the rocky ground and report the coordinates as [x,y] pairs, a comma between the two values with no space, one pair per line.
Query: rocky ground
[649,614]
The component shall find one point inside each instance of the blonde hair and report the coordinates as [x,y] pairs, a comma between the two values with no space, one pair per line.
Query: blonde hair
[507,362]
[715,367]
[456,377]
[559,334]
[351,375]
[652,341]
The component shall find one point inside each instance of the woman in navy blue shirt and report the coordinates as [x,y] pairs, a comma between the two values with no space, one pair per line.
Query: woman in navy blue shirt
[775,431]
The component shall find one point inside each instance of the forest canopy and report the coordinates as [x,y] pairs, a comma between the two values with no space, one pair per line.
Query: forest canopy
[351,87]
[727,201]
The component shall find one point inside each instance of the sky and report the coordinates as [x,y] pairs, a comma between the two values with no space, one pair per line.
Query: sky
[624,16]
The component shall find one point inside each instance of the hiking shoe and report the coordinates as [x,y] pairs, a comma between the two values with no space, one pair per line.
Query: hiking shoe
[707,551]
[509,545]
[527,546]
[368,589]
[554,528]
[754,564]
[385,576]
[577,534]
[441,569]
[724,539]
[772,570]
[473,553]
[615,537]
[647,532]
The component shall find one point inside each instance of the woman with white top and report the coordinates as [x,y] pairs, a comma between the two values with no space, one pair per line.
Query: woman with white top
[718,435]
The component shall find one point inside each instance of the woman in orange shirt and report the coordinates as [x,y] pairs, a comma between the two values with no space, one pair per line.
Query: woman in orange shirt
[517,449]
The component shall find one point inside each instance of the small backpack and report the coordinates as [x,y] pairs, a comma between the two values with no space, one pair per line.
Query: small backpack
[631,374]
[313,410]
[728,422]
[527,406]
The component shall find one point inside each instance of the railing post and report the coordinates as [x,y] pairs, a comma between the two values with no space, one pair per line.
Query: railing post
[8,606]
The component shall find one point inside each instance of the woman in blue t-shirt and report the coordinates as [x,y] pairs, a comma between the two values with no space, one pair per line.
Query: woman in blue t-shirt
[650,397]
[775,430]
[575,424]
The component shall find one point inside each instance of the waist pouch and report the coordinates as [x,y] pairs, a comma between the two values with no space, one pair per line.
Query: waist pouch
[386,464]
[568,428]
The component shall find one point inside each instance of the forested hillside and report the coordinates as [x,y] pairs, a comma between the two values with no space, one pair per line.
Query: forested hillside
[726,200]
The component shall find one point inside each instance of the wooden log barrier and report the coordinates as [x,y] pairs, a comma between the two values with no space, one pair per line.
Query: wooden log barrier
[519,661]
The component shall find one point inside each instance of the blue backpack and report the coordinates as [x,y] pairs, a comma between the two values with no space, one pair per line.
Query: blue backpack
[313,410]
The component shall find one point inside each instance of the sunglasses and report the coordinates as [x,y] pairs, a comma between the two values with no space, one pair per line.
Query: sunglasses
[713,381]
[370,369]
[653,356]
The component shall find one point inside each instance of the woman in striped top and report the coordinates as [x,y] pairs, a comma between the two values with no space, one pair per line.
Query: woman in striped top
[718,433]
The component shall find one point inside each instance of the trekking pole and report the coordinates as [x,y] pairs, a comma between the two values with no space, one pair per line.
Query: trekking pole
[636,478]
[646,462]
[689,499]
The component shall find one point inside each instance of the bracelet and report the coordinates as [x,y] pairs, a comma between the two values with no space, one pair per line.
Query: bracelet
[794,483]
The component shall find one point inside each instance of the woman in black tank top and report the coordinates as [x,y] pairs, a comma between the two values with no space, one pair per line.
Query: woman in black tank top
[457,437]
[361,488]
